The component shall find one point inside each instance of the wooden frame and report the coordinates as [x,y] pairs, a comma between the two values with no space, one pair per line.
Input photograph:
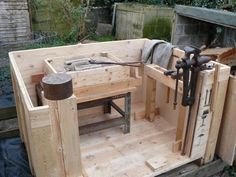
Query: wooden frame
[50,146]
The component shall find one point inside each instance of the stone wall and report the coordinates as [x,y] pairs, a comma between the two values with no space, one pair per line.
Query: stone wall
[199,30]
[188,31]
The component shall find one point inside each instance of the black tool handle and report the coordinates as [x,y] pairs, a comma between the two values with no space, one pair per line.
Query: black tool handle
[193,84]
[185,86]
[176,88]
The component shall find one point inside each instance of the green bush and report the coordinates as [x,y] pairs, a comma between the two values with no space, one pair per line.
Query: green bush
[158,28]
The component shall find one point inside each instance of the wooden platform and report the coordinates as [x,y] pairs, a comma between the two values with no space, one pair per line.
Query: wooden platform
[109,152]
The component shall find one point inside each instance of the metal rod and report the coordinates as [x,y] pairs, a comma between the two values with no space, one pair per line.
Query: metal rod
[127,113]
[131,64]
[117,108]
[176,89]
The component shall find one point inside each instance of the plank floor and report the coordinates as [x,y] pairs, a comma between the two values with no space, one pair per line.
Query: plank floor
[110,153]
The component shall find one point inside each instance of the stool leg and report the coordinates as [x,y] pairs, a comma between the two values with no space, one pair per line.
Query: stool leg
[107,107]
[127,113]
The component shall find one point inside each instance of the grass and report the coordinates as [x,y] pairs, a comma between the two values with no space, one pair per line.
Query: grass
[158,28]
[102,38]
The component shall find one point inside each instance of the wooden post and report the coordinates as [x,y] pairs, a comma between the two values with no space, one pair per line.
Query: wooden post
[150,99]
[63,112]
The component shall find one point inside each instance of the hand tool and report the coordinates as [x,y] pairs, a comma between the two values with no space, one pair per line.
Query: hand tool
[190,64]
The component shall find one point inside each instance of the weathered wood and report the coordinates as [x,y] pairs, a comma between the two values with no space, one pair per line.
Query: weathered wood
[8,113]
[9,133]
[132,18]
[192,170]
[14,21]
[13,5]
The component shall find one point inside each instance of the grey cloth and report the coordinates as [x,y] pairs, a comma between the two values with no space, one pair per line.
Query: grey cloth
[157,52]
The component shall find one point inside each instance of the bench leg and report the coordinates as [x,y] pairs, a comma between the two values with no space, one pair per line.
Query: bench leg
[127,113]
[107,107]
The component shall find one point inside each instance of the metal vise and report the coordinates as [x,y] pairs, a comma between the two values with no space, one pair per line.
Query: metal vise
[191,64]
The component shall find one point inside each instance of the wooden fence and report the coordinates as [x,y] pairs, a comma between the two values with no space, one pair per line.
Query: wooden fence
[132,18]
[14,21]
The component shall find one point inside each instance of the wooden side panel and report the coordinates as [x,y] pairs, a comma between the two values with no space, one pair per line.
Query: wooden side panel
[23,117]
[36,131]
[192,119]
[128,50]
[220,86]
[227,136]
[203,119]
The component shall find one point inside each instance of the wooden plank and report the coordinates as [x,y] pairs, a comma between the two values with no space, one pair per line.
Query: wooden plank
[150,99]
[157,164]
[68,123]
[181,127]
[219,53]
[192,169]
[227,137]
[183,113]
[36,78]
[8,113]
[157,73]
[9,133]
[187,143]
[203,119]
[48,159]
[217,108]
[13,5]
[21,112]
[104,90]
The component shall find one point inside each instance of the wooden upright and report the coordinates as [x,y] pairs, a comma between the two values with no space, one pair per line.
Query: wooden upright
[58,92]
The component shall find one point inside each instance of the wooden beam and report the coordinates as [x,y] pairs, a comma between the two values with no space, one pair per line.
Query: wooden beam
[150,99]
[157,73]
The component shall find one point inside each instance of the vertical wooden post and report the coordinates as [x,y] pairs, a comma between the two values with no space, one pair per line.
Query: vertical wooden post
[63,111]
[150,98]
[181,125]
